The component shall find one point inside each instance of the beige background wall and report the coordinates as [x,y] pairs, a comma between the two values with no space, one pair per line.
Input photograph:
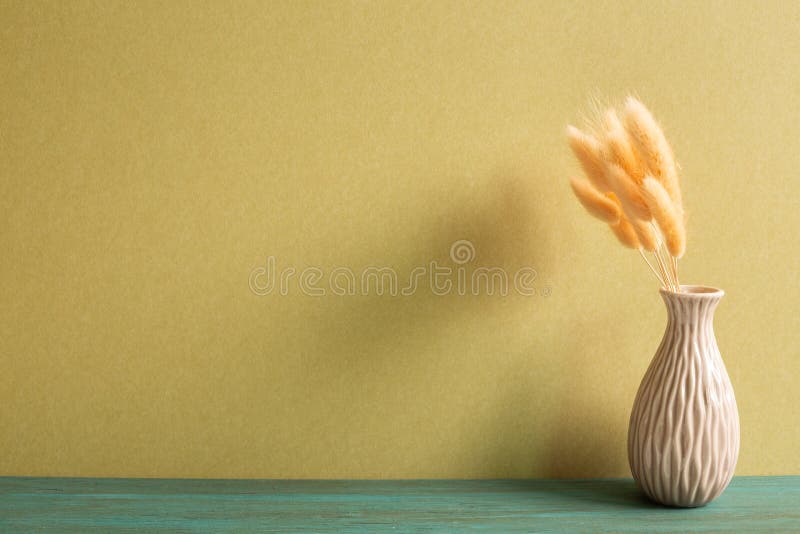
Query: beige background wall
[152,154]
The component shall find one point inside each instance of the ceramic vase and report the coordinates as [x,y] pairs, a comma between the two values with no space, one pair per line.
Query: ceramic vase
[683,437]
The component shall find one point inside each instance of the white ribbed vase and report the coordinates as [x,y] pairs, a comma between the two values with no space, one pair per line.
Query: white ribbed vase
[683,438]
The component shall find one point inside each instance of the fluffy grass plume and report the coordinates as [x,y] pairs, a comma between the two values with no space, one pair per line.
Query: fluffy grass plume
[667,217]
[628,191]
[652,147]
[588,151]
[625,233]
[646,234]
[595,203]
[618,148]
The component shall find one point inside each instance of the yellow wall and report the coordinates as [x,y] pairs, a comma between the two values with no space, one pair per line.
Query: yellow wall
[154,153]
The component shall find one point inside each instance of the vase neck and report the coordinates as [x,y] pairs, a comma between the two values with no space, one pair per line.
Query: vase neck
[694,307]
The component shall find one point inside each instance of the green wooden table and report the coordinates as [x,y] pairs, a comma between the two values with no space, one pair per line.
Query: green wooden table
[141,505]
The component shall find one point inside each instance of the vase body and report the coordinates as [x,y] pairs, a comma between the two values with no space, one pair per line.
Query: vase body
[683,437]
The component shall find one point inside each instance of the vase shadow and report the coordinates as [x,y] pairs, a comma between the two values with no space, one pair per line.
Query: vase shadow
[588,494]
[616,493]
[586,439]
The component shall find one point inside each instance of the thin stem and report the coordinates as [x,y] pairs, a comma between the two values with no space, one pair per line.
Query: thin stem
[660,281]
[668,260]
[664,254]
[672,276]
[662,268]
[675,270]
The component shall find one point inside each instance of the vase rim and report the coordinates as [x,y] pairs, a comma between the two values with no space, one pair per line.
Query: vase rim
[695,291]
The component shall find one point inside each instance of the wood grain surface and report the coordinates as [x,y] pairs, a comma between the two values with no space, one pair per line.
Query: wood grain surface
[165,505]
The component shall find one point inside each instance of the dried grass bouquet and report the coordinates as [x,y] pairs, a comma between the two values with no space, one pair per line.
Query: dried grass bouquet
[633,185]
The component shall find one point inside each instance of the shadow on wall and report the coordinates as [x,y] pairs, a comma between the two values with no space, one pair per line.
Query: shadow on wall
[380,348]
[583,443]
[547,432]
[584,446]
[506,232]
[555,432]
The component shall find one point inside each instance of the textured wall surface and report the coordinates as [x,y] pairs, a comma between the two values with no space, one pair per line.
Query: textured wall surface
[153,155]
